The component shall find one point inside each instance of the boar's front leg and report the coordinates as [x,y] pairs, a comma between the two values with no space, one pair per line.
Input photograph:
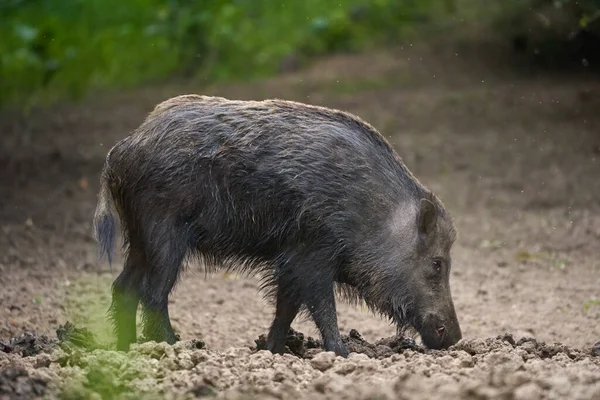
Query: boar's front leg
[306,278]
[320,302]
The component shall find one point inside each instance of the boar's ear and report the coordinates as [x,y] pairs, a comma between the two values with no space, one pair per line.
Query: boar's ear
[427,217]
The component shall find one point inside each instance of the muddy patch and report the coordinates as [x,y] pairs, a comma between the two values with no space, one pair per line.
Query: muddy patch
[302,347]
[28,344]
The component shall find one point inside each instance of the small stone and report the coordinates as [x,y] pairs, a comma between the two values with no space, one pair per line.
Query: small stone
[184,345]
[356,357]
[43,361]
[507,337]
[323,361]
[278,377]
[596,349]
[185,361]
[154,350]
[528,391]
[199,356]
[169,364]
[345,368]
[331,384]
[466,360]
[202,390]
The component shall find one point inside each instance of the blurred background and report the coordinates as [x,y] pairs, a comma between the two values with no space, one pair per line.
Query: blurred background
[60,50]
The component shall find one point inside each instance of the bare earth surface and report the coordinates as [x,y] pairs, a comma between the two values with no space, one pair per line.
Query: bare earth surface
[515,156]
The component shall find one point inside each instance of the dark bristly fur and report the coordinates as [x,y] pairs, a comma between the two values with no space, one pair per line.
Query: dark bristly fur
[313,198]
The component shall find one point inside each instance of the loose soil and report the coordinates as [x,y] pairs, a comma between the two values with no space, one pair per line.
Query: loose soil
[513,153]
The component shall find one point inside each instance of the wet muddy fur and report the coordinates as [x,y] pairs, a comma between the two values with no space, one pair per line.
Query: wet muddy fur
[314,198]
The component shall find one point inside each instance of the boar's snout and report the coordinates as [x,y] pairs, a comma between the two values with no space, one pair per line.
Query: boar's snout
[440,333]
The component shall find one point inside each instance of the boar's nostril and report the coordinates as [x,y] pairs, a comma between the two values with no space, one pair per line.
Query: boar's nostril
[440,331]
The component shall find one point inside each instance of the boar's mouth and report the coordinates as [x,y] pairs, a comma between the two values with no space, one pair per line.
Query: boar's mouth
[438,333]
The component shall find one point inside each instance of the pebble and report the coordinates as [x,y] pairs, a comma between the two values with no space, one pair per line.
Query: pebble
[323,361]
[596,349]
[528,391]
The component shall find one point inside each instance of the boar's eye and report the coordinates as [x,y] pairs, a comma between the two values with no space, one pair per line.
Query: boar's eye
[437,264]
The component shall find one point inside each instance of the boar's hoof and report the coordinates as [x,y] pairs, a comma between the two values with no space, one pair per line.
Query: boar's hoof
[339,349]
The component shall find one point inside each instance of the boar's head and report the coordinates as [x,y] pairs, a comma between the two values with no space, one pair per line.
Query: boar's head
[417,284]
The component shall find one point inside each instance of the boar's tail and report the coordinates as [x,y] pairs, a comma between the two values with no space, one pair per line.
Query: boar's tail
[104,221]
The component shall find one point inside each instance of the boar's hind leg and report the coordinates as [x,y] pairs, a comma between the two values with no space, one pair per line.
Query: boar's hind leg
[158,282]
[126,297]
[286,310]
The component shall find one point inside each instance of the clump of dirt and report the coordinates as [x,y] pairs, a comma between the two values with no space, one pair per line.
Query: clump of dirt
[384,347]
[69,338]
[307,348]
[543,350]
[28,344]
[528,347]
[295,344]
[69,334]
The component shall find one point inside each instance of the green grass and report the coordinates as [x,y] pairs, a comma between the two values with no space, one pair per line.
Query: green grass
[590,303]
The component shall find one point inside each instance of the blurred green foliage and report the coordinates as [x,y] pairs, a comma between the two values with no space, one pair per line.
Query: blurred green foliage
[553,15]
[554,30]
[62,49]
[52,49]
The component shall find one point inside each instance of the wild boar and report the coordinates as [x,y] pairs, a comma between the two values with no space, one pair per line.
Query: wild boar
[313,198]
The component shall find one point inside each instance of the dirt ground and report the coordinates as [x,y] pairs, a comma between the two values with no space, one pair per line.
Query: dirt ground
[513,153]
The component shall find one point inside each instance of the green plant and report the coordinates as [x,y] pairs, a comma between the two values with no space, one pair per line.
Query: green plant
[590,304]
